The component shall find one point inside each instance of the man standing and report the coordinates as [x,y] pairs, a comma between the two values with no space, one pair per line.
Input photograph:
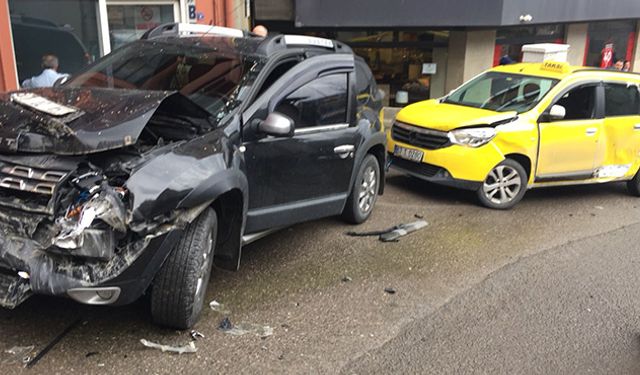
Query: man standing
[48,76]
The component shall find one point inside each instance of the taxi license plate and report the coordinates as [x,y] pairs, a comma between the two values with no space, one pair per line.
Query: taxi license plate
[408,153]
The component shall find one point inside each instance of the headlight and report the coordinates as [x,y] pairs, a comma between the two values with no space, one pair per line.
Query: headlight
[472,137]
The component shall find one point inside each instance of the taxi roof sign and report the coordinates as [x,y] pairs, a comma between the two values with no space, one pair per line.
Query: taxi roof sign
[556,66]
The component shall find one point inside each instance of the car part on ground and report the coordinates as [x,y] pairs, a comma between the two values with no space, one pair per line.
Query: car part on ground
[392,234]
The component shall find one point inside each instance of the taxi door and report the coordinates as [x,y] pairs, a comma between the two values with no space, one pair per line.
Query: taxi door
[620,142]
[568,146]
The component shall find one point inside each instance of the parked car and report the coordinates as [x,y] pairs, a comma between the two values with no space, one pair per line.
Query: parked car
[523,126]
[35,37]
[171,153]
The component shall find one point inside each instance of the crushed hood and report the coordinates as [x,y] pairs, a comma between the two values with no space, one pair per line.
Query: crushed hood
[444,116]
[74,121]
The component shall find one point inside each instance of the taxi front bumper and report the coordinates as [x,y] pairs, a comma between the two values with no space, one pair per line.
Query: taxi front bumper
[457,166]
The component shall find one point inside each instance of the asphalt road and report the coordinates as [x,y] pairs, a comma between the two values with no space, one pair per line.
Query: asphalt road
[548,287]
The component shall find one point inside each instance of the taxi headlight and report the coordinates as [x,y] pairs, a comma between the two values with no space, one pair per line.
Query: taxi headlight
[472,137]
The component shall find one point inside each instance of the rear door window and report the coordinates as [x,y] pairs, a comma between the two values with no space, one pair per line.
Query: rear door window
[621,100]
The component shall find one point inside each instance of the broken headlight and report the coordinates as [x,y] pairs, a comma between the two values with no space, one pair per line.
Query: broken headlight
[97,210]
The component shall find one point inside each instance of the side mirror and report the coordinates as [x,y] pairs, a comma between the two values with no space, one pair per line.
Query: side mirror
[557,112]
[277,125]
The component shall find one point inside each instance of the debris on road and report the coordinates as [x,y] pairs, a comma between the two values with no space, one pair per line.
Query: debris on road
[244,328]
[32,362]
[389,290]
[392,234]
[91,354]
[418,216]
[195,335]
[218,307]
[225,325]
[346,279]
[19,354]
[598,207]
[186,349]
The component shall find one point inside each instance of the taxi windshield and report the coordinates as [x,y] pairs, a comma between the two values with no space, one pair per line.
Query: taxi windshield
[502,92]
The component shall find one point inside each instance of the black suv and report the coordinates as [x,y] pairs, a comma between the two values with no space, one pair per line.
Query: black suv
[170,154]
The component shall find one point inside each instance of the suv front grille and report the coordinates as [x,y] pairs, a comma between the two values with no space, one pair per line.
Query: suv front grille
[27,187]
[419,137]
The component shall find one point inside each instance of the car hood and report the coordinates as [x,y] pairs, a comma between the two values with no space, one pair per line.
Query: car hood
[433,114]
[74,121]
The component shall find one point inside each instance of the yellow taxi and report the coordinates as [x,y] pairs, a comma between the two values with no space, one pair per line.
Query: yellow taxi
[524,126]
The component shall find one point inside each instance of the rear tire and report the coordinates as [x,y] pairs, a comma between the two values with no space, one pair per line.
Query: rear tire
[504,186]
[180,286]
[364,191]
[633,185]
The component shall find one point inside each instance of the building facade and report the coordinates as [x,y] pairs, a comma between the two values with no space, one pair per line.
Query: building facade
[427,48]
[79,31]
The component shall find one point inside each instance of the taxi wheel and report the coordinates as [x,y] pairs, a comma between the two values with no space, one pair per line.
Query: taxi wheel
[504,186]
[633,185]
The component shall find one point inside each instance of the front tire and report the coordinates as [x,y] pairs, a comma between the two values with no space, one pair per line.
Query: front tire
[180,286]
[504,186]
[364,191]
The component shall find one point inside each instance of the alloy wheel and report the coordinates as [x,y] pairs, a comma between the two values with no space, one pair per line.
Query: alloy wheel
[502,185]
[204,271]
[368,189]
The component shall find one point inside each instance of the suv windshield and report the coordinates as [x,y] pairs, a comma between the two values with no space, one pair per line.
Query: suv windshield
[213,79]
[502,92]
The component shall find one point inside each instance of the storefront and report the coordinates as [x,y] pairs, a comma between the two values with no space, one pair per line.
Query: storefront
[401,60]
[424,49]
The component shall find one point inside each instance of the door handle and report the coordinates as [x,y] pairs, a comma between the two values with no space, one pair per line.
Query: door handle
[344,151]
[636,127]
[591,131]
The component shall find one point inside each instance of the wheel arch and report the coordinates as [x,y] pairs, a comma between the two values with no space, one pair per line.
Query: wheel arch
[379,151]
[524,161]
[229,207]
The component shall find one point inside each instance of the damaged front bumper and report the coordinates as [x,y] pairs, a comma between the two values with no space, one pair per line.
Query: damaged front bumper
[25,270]
[76,238]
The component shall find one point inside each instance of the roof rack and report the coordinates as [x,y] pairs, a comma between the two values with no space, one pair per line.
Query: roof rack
[190,29]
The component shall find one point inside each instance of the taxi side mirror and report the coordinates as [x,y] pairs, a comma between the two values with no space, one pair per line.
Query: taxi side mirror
[557,113]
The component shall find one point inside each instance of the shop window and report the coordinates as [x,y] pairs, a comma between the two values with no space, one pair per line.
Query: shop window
[65,28]
[399,69]
[509,41]
[322,101]
[128,22]
[609,42]
[621,100]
